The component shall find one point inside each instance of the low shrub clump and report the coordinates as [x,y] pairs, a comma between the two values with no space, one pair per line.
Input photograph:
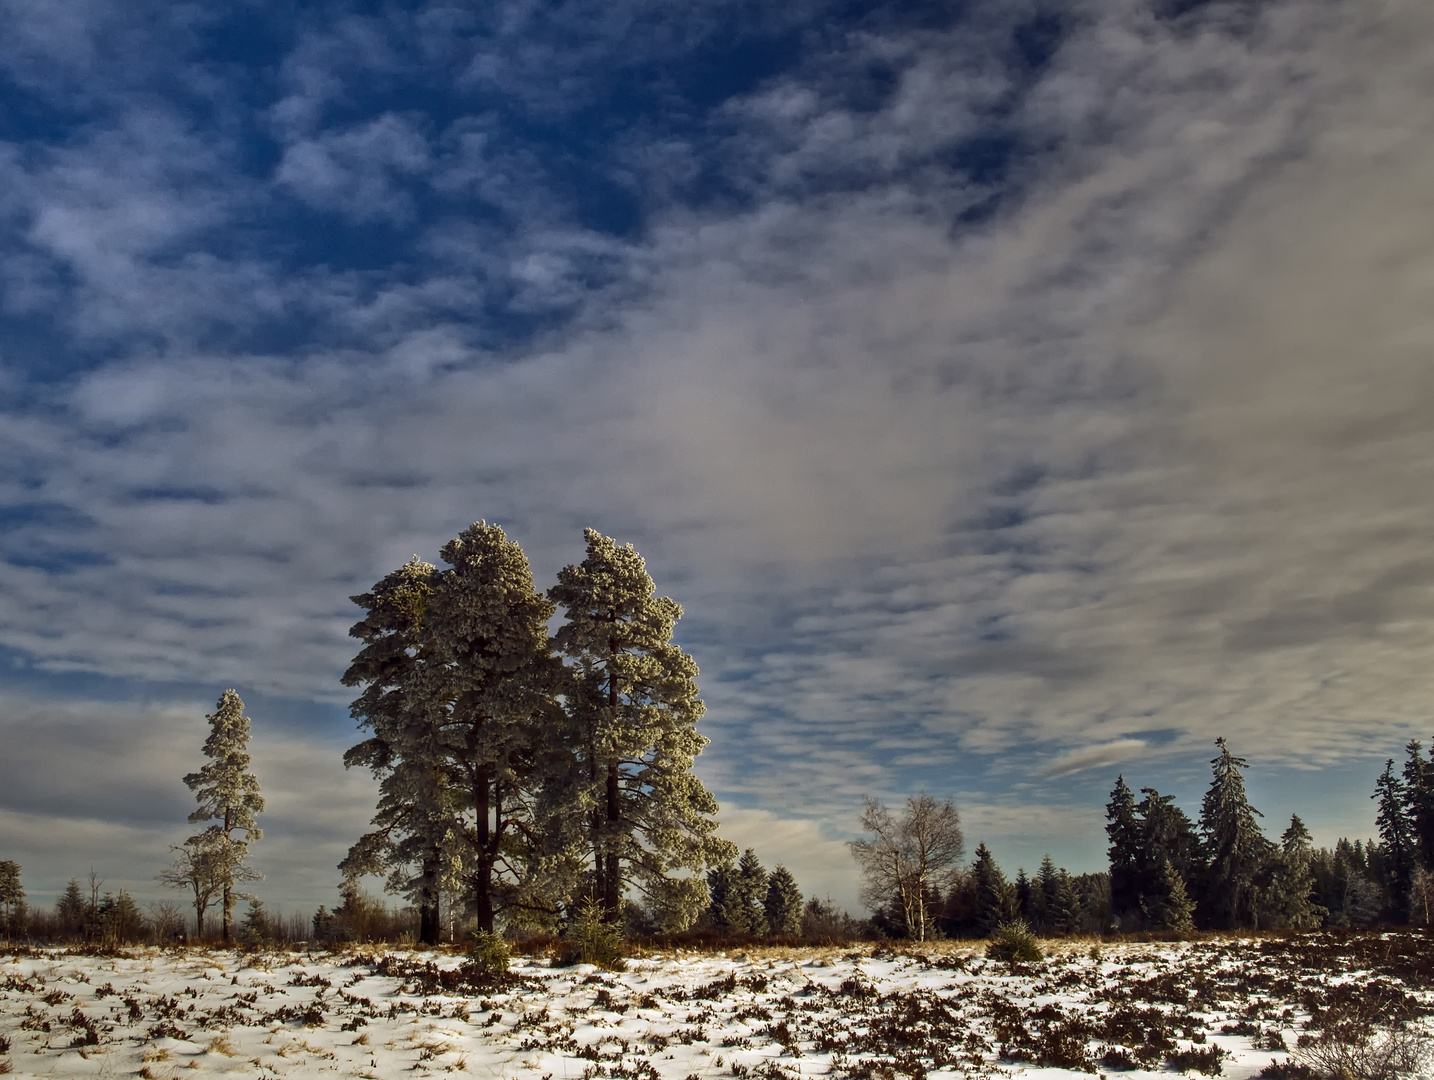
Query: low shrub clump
[488,955]
[594,940]
[1014,942]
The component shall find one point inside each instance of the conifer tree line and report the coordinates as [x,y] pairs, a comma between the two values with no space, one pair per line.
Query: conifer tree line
[1222,872]
[521,771]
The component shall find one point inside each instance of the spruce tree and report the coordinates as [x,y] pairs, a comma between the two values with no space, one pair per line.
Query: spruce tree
[633,709]
[1419,801]
[70,909]
[489,627]
[1063,910]
[12,897]
[749,889]
[783,904]
[1233,839]
[1289,882]
[1124,832]
[719,896]
[995,899]
[405,700]
[1396,833]
[1167,906]
[229,795]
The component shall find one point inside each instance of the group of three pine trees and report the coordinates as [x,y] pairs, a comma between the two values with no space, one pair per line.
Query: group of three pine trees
[526,782]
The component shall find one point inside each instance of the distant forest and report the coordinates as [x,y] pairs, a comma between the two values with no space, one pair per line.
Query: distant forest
[531,783]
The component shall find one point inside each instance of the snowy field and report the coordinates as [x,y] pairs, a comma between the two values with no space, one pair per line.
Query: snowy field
[1218,1008]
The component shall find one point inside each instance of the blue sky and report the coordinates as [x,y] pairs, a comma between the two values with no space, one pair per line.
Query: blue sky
[1013,393]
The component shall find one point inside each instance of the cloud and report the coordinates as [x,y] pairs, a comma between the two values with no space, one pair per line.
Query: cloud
[964,474]
[1095,757]
[357,172]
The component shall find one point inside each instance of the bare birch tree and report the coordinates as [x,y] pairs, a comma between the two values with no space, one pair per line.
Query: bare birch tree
[909,860]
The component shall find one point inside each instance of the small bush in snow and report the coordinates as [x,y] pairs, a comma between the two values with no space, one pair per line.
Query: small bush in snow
[488,954]
[1013,941]
[594,939]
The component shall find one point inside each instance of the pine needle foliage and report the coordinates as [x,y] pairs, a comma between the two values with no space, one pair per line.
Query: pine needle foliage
[1013,942]
[632,709]
[1236,846]
[228,794]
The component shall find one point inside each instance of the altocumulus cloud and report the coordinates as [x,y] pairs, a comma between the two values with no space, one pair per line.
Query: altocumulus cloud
[1009,402]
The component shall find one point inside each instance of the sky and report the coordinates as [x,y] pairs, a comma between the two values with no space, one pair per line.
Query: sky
[1014,393]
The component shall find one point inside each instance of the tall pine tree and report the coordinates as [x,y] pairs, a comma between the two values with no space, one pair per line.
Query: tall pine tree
[1236,846]
[404,703]
[489,626]
[633,709]
[1396,834]
[1123,829]
[228,794]
[1419,801]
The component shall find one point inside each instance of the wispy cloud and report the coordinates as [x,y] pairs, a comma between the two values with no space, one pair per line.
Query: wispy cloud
[1002,415]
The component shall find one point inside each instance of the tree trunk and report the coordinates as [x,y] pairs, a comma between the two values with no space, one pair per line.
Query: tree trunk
[428,924]
[483,878]
[228,909]
[611,881]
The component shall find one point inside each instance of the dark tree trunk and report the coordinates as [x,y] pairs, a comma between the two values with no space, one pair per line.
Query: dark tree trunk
[428,926]
[483,878]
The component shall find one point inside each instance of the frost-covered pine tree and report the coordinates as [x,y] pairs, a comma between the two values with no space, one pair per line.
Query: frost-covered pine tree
[632,710]
[783,904]
[404,703]
[1237,848]
[1289,881]
[228,794]
[489,628]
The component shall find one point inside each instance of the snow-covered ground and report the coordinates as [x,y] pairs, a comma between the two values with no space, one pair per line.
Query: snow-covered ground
[775,1014]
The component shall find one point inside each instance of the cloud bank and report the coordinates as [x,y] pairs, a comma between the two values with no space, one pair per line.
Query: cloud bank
[1040,394]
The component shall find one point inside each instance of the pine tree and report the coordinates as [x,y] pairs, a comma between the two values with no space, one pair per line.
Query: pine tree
[228,792]
[719,896]
[1289,882]
[1030,901]
[1396,831]
[783,904]
[749,889]
[405,700]
[1233,839]
[1046,905]
[12,897]
[1419,801]
[489,626]
[70,909]
[1168,906]
[633,708]
[1064,908]
[995,899]
[257,927]
[1124,832]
